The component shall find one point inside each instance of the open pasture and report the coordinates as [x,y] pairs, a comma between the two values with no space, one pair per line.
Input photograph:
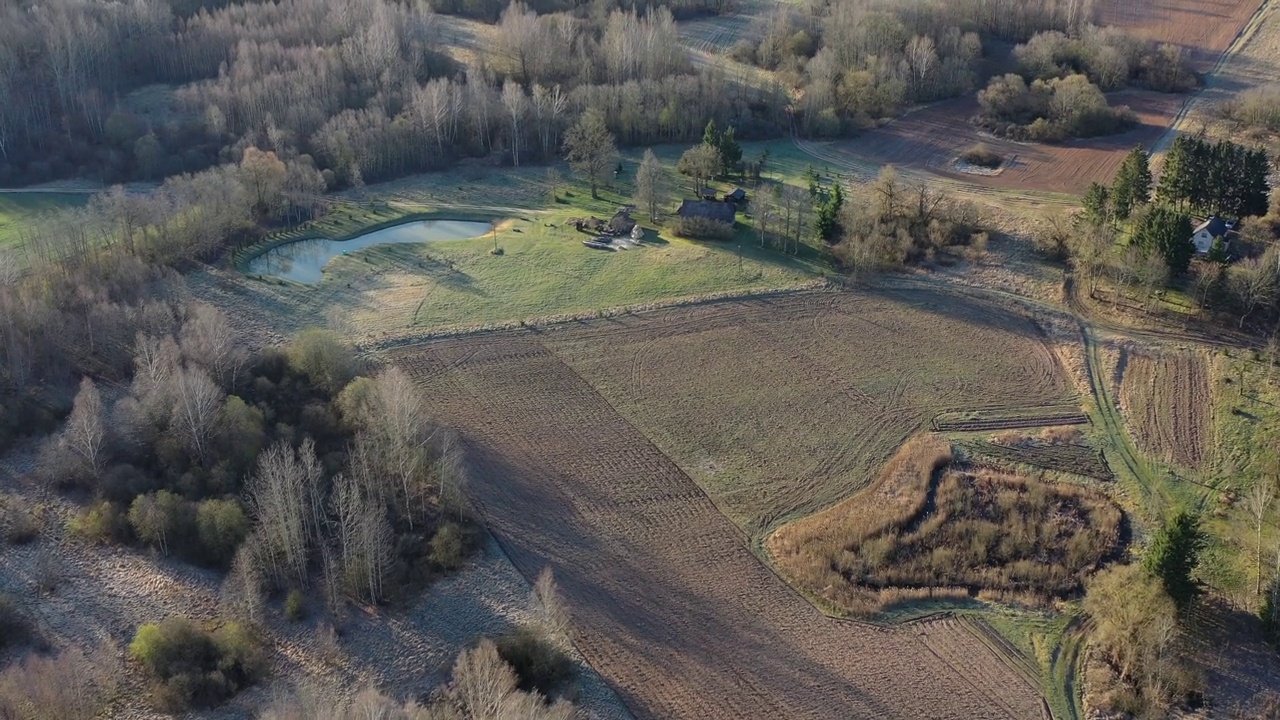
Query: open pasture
[667,600]
[19,211]
[931,138]
[1167,401]
[778,407]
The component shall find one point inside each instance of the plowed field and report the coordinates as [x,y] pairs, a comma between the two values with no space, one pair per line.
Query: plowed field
[667,600]
[931,138]
[1168,403]
[784,406]
[1204,27]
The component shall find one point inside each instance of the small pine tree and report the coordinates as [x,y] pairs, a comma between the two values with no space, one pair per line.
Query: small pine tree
[1174,555]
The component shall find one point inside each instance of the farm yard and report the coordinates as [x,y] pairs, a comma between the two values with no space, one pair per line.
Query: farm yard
[668,602]
[1167,401]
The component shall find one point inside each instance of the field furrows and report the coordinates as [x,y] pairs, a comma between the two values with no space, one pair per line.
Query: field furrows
[1009,423]
[950,641]
[780,406]
[666,598]
[1168,401]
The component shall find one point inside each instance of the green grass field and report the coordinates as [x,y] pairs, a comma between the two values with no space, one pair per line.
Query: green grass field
[20,210]
[544,270]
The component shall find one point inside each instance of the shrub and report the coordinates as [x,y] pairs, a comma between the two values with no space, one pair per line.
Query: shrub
[221,526]
[17,521]
[698,228]
[982,156]
[192,667]
[538,663]
[448,547]
[295,607]
[161,519]
[15,626]
[323,358]
[70,685]
[101,523]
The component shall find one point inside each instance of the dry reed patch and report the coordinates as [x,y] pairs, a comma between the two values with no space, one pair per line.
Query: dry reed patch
[1168,402]
[929,527]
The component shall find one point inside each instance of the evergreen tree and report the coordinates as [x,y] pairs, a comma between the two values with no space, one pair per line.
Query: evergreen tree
[827,221]
[1175,179]
[1097,204]
[1132,184]
[1255,190]
[1199,190]
[1174,555]
[730,150]
[710,135]
[1168,232]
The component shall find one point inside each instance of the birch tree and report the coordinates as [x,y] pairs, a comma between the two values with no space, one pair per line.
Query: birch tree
[280,497]
[195,410]
[1258,503]
[651,186]
[86,432]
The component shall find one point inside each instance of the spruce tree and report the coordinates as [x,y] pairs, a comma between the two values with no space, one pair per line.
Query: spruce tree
[1255,190]
[1175,179]
[1097,204]
[1168,232]
[1132,185]
[1174,555]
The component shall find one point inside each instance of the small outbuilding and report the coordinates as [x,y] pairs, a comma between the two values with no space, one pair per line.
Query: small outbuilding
[736,196]
[724,212]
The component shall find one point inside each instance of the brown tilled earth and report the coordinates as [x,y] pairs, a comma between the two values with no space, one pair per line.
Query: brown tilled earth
[1168,402]
[933,137]
[668,601]
[1203,27]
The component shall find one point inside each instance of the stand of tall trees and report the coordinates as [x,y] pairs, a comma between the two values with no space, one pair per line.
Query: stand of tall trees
[1221,178]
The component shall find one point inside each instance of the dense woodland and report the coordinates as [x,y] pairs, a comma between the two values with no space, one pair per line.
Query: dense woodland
[364,89]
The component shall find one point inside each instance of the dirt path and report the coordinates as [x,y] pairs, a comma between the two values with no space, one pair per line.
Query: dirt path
[670,604]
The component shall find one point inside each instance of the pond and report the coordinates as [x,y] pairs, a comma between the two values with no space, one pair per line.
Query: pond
[304,260]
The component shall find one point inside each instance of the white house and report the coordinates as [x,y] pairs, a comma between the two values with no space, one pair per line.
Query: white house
[1203,235]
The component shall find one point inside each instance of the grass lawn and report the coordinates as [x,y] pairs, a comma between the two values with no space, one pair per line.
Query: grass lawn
[544,270]
[19,210]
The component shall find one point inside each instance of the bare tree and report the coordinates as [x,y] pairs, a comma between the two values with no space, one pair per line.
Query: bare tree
[241,595]
[208,340]
[550,604]
[1258,503]
[279,497]
[516,104]
[589,148]
[483,681]
[196,404]
[651,185]
[86,433]
[364,534]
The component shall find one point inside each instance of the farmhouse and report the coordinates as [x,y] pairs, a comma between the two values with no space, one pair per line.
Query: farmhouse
[1208,231]
[724,212]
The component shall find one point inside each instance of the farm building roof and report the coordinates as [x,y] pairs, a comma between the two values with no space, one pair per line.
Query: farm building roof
[736,195]
[710,209]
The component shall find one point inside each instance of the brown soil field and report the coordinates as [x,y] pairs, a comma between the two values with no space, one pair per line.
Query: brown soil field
[781,406]
[931,138]
[1204,27]
[666,598]
[1168,403]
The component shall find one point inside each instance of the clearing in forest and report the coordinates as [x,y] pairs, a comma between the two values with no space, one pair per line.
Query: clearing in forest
[1168,403]
[929,527]
[667,600]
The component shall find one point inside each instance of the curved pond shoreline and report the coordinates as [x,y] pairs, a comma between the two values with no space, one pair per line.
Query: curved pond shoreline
[303,260]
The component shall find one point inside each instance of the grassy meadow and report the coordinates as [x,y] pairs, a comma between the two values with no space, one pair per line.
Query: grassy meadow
[20,210]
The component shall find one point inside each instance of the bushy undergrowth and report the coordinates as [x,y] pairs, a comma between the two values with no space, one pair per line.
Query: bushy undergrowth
[1050,110]
[538,662]
[15,626]
[982,156]
[698,228]
[192,667]
[965,532]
